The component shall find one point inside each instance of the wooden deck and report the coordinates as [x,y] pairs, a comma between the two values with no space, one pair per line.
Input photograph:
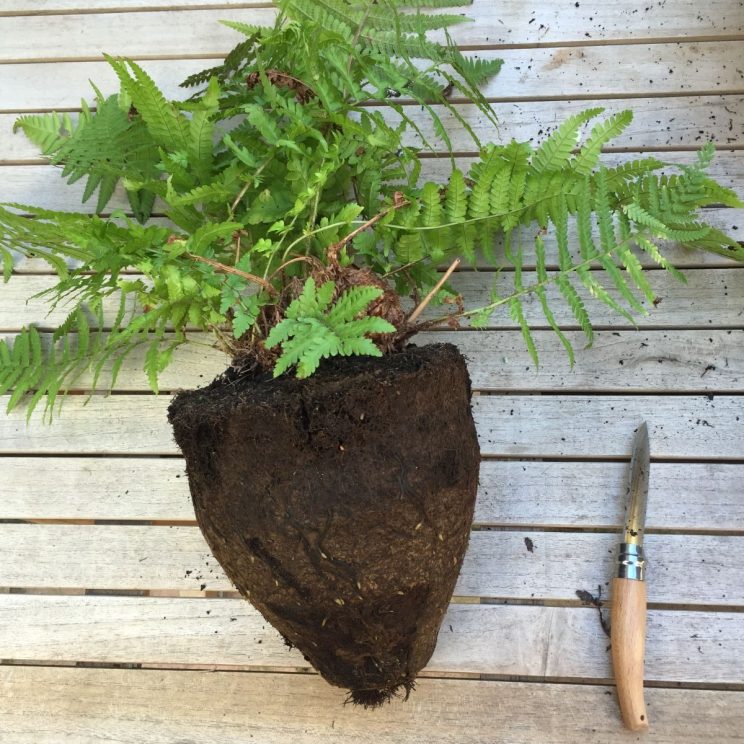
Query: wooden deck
[117,625]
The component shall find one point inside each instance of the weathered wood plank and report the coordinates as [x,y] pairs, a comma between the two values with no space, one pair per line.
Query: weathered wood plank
[538,642]
[77,36]
[41,7]
[511,493]
[556,73]
[628,361]
[710,298]
[721,218]
[80,705]
[498,564]
[41,185]
[552,426]
[618,361]
[658,123]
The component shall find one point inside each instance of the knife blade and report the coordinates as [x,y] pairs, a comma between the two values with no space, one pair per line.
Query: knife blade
[635,514]
[628,629]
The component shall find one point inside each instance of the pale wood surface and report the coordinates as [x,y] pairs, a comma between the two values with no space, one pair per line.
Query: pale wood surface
[583,495]
[657,69]
[552,426]
[709,298]
[498,640]
[556,440]
[80,706]
[512,22]
[648,361]
[176,558]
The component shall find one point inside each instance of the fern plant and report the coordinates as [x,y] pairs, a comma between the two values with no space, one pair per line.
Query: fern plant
[313,328]
[281,207]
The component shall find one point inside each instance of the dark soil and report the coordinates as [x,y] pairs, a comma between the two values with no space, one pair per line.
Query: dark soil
[341,505]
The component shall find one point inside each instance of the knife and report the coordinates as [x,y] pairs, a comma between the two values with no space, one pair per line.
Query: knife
[628,629]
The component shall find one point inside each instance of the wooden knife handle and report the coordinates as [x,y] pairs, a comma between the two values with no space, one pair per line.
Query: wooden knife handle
[628,635]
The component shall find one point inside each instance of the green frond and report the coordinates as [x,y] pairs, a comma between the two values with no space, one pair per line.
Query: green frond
[354,301]
[31,371]
[46,131]
[313,329]
[167,126]
[586,159]
[542,280]
[478,71]
[455,202]
[554,153]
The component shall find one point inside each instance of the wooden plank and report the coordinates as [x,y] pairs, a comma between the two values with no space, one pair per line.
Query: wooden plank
[498,564]
[658,69]
[657,123]
[721,218]
[41,185]
[618,361]
[528,641]
[115,705]
[78,36]
[570,494]
[511,493]
[674,123]
[554,426]
[41,7]
[710,298]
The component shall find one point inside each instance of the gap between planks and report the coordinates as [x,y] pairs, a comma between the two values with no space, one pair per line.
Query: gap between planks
[215,595]
[309,672]
[567,98]
[476,527]
[212,55]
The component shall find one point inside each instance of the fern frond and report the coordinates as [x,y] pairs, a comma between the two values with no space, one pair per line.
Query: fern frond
[478,71]
[542,279]
[313,329]
[46,131]
[32,372]
[354,301]
[554,153]
[586,159]
[166,125]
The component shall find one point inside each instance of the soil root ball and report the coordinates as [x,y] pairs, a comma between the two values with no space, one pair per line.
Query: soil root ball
[340,505]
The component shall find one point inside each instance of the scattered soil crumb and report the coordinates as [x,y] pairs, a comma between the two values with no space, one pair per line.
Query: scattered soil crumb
[591,601]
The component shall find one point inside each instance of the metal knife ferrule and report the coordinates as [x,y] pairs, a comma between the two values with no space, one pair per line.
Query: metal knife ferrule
[631,562]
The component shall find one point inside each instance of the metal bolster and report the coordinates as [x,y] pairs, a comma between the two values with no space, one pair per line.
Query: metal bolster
[631,563]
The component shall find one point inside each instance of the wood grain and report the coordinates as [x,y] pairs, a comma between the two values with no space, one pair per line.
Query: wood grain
[709,298]
[537,642]
[628,650]
[668,61]
[552,426]
[699,361]
[665,68]
[78,36]
[528,494]
[117,706]
[178,559]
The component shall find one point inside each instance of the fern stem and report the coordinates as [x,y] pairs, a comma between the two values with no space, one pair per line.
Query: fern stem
[249,182]
[398,201]
[538,285]
[232,270]
[306,259]
[422,305]
[470,220]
